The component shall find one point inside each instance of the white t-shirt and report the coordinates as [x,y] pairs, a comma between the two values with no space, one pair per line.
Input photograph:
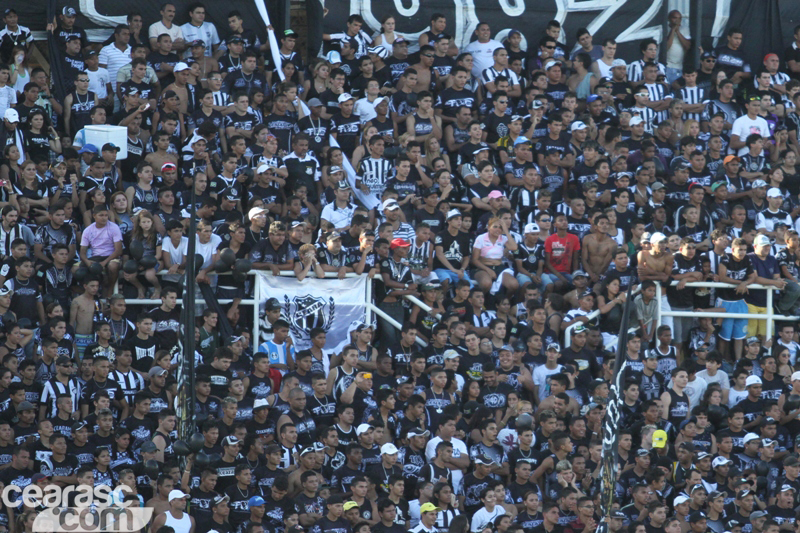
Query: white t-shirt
[175,254]
[744,126]
[158,28]
[98,80]
[8,98]
[459,450]
[483,518]
[207,250]
[482,55]
[735,396]
[207,32]
[540,375]
[365,110]
[720,377]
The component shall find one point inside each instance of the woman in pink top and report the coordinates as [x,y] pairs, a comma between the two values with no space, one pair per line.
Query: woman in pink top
[488,253]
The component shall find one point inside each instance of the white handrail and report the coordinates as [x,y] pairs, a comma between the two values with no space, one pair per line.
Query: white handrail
[769,316]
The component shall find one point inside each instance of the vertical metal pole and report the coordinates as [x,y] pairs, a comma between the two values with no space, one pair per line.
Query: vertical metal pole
[186,396]
[770,312]
[256,340]
[368,315]
[698,30]
[658,307]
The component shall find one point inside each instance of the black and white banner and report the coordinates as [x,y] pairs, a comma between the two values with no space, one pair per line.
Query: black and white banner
[337,306]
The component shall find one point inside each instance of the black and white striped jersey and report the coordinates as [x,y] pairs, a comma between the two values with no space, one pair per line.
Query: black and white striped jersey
[691,96]
[490,74]
[635,70]
[648,115]
[221,98]
[659,92]
[374,173]
[130,382]
[53,388]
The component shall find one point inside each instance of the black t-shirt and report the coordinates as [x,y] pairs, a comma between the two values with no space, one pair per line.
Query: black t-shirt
[738,270]
[495,127]
[451,100]
[347,131]
[681,265]
[144,352]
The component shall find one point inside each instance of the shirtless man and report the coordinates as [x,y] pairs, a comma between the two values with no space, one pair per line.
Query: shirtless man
[306,462]
[656,264]
[158,158]
[82,313]
[425,72]
[598,248]
[182,72]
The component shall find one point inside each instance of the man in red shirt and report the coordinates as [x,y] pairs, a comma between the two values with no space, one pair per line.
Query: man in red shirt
[561,254]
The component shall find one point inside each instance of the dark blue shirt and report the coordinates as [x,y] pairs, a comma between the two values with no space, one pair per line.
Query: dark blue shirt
[766,268]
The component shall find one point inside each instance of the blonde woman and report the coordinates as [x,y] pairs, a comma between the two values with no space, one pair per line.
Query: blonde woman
[690,127]
[433,149]
[307,261]
[318,83]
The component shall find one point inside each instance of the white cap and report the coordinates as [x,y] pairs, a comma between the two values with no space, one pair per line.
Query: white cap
[11,115]
[450,354]
[531,227]
[750,436]
[263,167]
[388,449]
[774,192]
[254,212]
[681,498]
[719,461]
[176,494]
[551,63]
[657,237]
[635,121]
[618,63]
[344,97]
[760,240]
[796,376]
[363,428]
[577,126]
[390,204]
[181,66]
[752,380]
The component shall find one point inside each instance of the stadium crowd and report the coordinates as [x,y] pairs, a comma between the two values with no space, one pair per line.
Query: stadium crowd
[513,188]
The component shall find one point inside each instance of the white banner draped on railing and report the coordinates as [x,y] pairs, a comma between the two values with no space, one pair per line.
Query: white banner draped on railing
[337,306]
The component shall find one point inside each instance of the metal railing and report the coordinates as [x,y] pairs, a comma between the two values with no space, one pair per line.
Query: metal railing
[769,316]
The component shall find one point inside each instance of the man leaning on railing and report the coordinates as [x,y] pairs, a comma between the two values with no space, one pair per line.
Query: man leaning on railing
[768,273]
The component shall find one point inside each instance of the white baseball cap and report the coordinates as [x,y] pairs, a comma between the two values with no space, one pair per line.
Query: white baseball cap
[176,494]
[635,121]
[618,63]
[760,240]
[577,126]
[388,449]
[774,192]
[752,380]
[657,237]
[682,498]
[531,227]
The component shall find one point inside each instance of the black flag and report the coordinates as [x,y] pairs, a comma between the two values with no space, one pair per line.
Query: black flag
[608,474]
